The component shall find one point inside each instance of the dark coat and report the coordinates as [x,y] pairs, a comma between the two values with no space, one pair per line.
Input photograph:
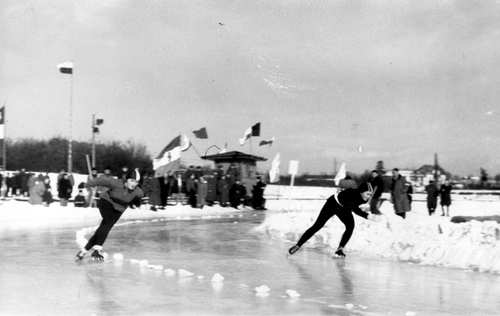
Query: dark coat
[223,189]
[152,189]
[211,189]
[378,183]
[432,194]
[236,192]
[445,192]
[64,188]
[47,195]
[399,194]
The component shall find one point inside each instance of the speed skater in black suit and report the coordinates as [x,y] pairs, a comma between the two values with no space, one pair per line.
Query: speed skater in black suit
[341,204]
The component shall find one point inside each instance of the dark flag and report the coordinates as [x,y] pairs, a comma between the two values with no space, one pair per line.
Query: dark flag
[66,68]
[266,142]
[201,133]
[256,130]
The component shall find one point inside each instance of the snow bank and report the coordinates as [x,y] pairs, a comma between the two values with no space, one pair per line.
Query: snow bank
[429,240]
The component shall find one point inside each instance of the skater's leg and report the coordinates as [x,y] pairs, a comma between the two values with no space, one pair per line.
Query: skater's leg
[348,220]
[325,214]
[109,218]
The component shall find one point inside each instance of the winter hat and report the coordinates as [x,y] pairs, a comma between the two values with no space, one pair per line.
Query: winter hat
[134,174]
[365,187]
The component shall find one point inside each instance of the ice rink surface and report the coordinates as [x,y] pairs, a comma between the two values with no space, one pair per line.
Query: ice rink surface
[40,277]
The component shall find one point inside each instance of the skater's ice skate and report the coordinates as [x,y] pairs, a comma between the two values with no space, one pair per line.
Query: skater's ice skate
[340,253]
[97,255]
[293,250]
[79,255]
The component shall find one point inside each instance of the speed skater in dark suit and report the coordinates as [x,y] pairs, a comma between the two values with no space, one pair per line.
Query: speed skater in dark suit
[341,204]
[122,193]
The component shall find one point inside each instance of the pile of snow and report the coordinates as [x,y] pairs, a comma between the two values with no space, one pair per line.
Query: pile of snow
[424,239]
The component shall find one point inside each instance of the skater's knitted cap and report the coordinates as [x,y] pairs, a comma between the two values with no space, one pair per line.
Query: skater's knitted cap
[365,187]
[134,174]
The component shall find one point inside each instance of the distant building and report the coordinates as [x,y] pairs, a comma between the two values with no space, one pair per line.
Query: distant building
[428,172]
[245,163]
[416,178]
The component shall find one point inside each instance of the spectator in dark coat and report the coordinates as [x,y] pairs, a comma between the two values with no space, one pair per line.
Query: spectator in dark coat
[191,188]
[223,191]
[445,193]
[64,189]
[24,177]
[211,189]
[16,184]
[236,193]
[80,199]
[47,195]
[8,183]
[378,188]
[151,188]
[258,200]
[174,188]
[432,194]
[399,194]
[164,187]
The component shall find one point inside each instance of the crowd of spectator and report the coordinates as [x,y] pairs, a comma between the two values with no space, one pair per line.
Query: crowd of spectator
[195,186]
[199,188]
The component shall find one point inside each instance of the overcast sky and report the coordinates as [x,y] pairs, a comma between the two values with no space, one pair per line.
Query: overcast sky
[351,81]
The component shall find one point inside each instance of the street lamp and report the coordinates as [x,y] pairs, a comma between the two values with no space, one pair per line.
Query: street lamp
[206,151]
[95,130]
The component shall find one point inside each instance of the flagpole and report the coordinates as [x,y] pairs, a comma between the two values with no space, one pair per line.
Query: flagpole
[70,143]
[4,151]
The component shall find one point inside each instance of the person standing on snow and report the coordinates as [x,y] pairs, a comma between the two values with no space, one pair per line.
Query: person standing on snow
[445,192]
[432,194]
[399,193]
[341,204]
[112,204]
[378,187]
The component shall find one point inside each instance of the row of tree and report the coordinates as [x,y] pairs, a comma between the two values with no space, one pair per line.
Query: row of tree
[52,155]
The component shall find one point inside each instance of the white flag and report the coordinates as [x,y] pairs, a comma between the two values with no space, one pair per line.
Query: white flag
[340,175]
[274,173]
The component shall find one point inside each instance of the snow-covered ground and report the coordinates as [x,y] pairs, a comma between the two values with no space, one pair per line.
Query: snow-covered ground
[423,239]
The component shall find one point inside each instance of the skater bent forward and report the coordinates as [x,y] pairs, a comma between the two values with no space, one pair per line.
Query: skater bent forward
[121,194]
[342,205]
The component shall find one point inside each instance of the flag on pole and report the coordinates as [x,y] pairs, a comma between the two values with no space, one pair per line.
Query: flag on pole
[168,158]
[340,175]
[201,133]
[274,173]
[256,129]
[248,134]
[266,142]
[66,68]
[251,131]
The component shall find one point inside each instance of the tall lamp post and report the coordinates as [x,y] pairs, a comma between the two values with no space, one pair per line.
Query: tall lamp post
[206,151]
[95,130]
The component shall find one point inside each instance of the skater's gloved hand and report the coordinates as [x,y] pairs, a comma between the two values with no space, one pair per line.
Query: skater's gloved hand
[375,218]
